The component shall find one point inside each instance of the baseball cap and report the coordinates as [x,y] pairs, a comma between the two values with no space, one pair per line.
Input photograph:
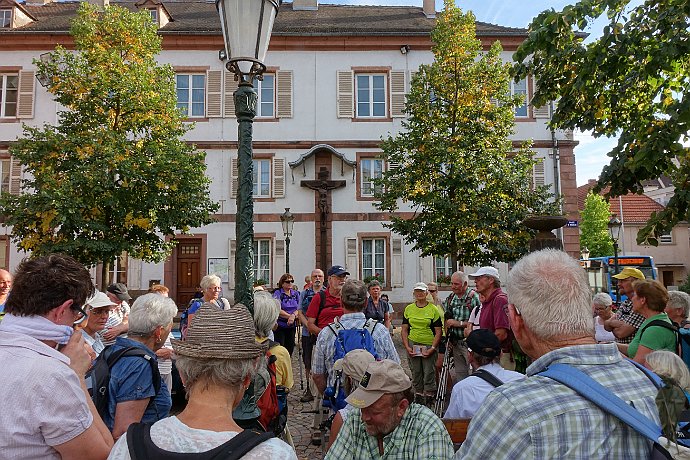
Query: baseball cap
[337,270]
[120,290]
[421,287]
[488,271]
[99,300]
[484,342]
[381,377]
[629,272]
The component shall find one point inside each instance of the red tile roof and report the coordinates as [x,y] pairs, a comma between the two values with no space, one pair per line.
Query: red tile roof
[636,208]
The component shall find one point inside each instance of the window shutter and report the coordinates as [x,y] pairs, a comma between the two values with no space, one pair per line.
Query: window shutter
[397,268]
[15,176]
[351,257]
[232,250]
[542,112]
[397,82]
[25,102]
[426,268]
[230,88]
[284,94]
[233,178]
[278,177]
[279,260]
[538,173]
[214,93]
[346,94]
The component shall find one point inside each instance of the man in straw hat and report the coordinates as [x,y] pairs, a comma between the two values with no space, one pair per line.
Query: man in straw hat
[389,421]
[625,323]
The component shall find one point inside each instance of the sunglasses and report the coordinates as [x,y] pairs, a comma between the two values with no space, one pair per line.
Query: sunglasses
[432,290]
[289,281]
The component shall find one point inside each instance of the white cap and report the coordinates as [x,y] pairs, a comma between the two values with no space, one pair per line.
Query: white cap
[100,300]
[421,287]
[489,271]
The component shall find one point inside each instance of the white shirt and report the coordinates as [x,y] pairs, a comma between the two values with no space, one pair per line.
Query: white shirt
[601,334]
[165,365]
[469,393]
[172,435]
[95,342]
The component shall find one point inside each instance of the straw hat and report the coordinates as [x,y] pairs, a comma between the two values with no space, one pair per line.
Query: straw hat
[220,334]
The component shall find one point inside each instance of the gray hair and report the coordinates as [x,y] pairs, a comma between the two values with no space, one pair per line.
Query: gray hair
[602,299]
[462,275]
[266,311]
[551,292]
[354,295]
[668,364]
[150,311]
[208,281]
[206,372]
[679,299]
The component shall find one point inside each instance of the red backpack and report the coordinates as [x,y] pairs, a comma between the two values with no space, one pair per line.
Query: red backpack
[272,418]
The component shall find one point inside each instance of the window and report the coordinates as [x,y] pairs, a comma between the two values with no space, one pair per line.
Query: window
[442,268]
[191,97]
[9,85]
[4,248]
[265,89]
[262,260]
[118,269]
[154,15]
[262,178]
[4,176]
[520,89]
[5,18]
[374,257]
[371,95]
[371,169]
[666,238]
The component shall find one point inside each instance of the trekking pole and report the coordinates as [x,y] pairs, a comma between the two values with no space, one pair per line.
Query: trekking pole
[443,382]
[299,351]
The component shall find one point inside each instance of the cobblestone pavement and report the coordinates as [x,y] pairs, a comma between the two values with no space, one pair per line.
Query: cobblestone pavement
[301,415]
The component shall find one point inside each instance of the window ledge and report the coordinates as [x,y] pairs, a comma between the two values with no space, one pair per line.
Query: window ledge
[374,120]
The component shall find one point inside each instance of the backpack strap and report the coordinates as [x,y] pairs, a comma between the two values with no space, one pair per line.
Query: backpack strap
[604,399]
[336,327]
[488,377]
[370,324]
[141,447]
[322,304]
[665,325]
[114,357]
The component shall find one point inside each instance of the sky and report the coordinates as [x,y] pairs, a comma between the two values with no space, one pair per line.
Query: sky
[590,154]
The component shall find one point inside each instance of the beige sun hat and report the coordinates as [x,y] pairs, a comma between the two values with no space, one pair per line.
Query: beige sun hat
[381,377]
[220,334]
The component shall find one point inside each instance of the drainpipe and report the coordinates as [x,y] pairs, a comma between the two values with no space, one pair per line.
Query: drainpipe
[555,154]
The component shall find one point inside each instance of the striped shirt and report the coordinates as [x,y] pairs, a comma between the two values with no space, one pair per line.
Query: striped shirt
[420,435]
[626,314]
[539,418]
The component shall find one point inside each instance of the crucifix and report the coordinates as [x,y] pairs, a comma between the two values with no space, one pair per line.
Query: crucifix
[323,185]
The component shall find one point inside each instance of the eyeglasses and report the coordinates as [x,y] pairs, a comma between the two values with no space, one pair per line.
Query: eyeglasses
[289,281]
[214,288]
[99,311]
[82,315]
[432,290]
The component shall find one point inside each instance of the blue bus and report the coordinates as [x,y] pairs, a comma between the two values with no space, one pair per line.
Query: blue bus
[600,269]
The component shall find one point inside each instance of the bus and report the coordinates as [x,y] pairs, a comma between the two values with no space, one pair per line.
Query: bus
[600,269]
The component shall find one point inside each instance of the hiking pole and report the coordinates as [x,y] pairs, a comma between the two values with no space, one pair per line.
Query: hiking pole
[443,382]
[299,351]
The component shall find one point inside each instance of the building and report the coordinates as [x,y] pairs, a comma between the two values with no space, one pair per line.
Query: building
[336,82]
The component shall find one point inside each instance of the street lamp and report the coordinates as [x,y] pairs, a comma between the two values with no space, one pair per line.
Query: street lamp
[584,252]
[287,219]
[615,231]
[246,26]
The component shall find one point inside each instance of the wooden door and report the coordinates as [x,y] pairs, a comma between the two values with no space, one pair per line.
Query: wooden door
[188,270]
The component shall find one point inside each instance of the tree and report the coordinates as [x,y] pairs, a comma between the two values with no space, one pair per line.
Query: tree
[632,82]
[114,175]
[594,226]
[456,165]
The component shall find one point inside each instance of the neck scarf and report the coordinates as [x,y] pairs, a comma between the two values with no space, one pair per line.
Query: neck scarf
[37,327]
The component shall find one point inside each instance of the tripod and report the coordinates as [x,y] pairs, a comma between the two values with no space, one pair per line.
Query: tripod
[448,364]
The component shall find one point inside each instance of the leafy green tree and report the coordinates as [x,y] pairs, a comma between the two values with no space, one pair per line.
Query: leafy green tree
[114,175]
[632,82]
[456,164]
[594,226]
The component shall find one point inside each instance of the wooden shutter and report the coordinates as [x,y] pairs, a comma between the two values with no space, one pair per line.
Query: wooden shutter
[214,93]
[542,112]
[234,182]
[284,94]
[426,268]
[397,82]
[538,173]
[230,88]
[351,257]
[346,94]
[25,101]
[278,177]
[232,251]
[397,263]
[279,260]
[15,176]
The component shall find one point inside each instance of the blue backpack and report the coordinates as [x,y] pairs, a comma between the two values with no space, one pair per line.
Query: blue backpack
[345,341]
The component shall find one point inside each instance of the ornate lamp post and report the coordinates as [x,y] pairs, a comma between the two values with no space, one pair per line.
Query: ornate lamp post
[287,219]
[247,26]
[615,231]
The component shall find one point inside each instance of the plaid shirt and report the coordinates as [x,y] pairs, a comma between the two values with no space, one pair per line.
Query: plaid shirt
[420,435]
[626,314]
[539,418]
[322,363]
[460,308]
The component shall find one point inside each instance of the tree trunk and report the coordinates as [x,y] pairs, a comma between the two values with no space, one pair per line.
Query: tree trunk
[105,275]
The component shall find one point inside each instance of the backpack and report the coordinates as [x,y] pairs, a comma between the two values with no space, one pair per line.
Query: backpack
[184,317]
[322,304]
[345,341]
[273,416]
[608,402]
[665,325]
[141,447]
[488,377]
[99,375]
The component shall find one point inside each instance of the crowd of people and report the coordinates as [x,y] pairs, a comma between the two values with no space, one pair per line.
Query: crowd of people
[236,365]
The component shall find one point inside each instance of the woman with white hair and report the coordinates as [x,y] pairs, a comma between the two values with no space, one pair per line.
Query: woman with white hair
[601,305]
[132,395]
[217,362]
[210,286]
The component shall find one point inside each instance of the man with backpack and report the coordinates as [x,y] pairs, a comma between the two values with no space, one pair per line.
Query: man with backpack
[458,306]
[308,339]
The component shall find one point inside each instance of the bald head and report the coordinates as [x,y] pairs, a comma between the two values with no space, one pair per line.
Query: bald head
[5,284]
